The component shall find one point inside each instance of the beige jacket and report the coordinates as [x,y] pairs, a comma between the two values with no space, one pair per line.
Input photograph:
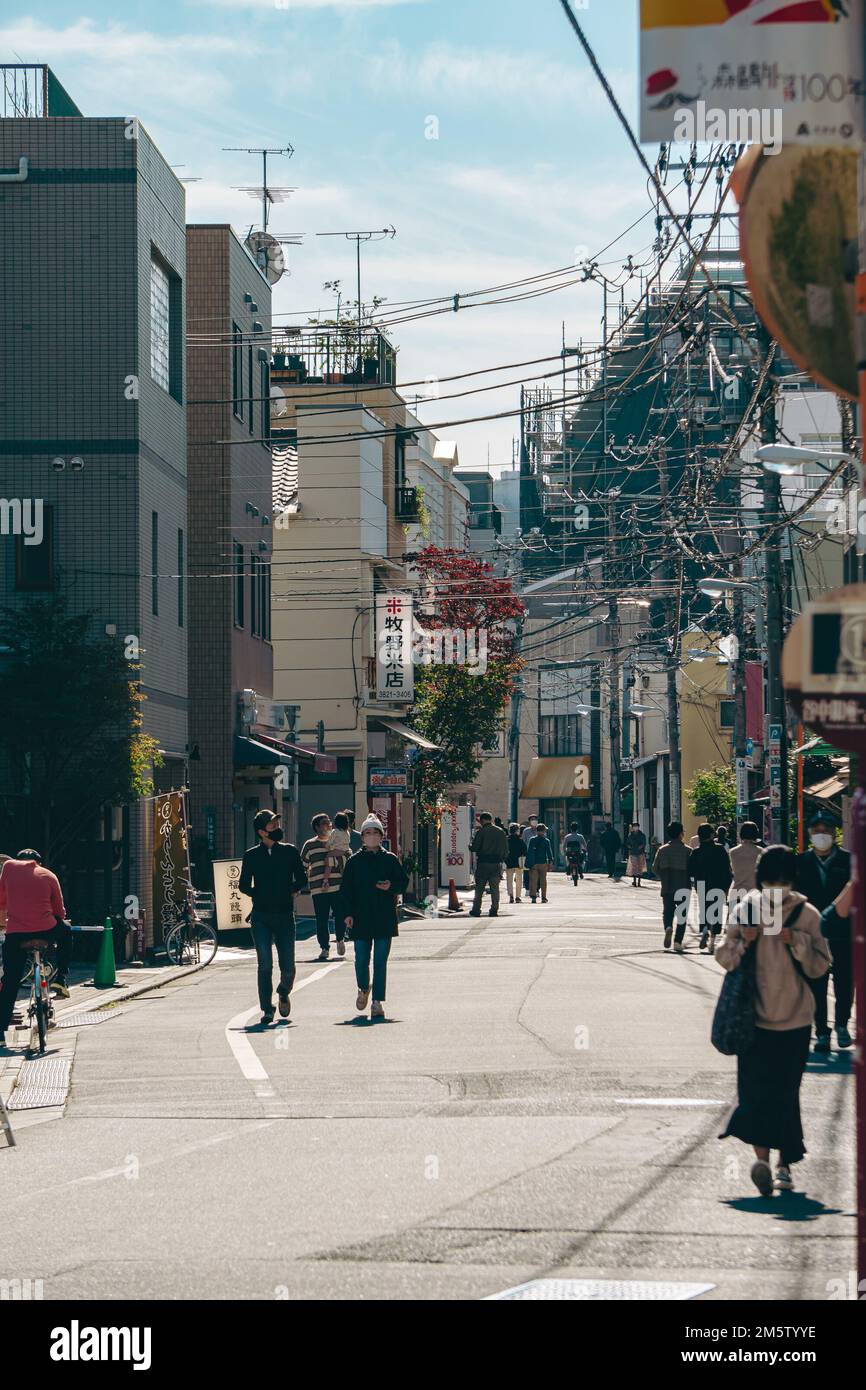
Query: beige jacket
[784,999]
[744,862]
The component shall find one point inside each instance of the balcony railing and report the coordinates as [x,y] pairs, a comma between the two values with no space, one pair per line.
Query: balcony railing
[333,355]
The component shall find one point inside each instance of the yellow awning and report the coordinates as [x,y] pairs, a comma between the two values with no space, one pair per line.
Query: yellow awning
[551,779]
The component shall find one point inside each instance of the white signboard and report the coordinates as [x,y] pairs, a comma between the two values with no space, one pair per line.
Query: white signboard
[231,905]
[779,71]
[454,847]
[395,673]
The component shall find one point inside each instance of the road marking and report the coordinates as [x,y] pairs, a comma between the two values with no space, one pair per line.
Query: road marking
[630,1290]
[674,1100]
[244,1052]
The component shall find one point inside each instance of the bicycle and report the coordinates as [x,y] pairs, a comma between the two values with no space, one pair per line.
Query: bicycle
[40,1009]
[191,941]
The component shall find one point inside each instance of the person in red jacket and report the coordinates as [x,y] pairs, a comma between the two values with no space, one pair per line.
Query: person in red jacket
[31,904]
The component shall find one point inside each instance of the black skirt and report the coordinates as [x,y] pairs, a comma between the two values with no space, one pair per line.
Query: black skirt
[767,1113]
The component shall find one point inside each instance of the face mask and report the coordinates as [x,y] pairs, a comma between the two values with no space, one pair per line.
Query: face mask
[276,835]
[821,842]
[371,840]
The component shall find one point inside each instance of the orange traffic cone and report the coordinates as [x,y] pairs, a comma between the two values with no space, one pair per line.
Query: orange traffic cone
[454,903]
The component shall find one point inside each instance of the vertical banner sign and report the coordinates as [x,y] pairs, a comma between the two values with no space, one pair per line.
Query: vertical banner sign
[395,674]
[454,847]
[230,910]
[774,749]
[752,71]
[170,862]
[742,788]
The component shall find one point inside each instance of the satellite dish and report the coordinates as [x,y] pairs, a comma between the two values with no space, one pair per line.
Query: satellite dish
[279,404]
[268,255]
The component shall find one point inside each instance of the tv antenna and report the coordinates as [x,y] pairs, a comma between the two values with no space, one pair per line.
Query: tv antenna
[267,194]
[381,235]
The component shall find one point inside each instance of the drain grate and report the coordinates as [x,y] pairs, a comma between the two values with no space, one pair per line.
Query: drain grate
[42,1082]
[85,1019]
[631,1290]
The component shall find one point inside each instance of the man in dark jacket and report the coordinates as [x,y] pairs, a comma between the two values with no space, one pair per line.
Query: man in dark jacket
[671,867]
[372,881]
[611,843]
[271,874]
[822,873]
[710,870]
[490,847]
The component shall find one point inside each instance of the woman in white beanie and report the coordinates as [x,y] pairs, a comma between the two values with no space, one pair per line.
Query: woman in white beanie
[372,882]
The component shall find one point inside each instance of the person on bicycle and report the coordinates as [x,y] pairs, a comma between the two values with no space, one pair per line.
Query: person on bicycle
[31,905]
[574,849]
[271,874]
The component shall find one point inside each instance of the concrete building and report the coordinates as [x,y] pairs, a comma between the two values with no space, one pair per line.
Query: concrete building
[444,503]
[93,421]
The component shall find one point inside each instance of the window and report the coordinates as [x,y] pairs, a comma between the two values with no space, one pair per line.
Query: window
[727,714]
[250,385]
[239,584]
[255,596]
[34,564]
[266,403]
[237,372]
[154,563]
[266,600]
[166,309]
[559,736]
[160,325]
[180,576]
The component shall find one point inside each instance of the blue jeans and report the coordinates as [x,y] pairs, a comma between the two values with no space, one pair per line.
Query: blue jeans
[381,949]
[272,929]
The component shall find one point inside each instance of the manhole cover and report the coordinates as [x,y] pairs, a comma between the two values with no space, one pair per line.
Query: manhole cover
[631,1290]
[42,1082]
[85,1019]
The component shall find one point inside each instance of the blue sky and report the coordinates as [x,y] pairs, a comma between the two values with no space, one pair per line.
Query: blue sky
[529,162]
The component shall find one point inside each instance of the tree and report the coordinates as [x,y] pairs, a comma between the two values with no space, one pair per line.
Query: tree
[712,794]
[70,737]
[458,704]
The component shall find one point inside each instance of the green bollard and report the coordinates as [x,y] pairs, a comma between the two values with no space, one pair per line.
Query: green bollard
[105,976]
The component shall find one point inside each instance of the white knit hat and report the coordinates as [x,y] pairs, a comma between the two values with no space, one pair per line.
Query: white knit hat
[373,823]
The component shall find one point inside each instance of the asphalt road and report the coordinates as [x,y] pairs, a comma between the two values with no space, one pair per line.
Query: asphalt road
[542,1101]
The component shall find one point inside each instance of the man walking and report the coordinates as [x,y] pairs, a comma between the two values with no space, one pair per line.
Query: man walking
[611,844]
[372,882]
[271,874]
[539,857]
[671,867]
[490,847]
[710,872]
[31,905]
[822,873]
[325,878]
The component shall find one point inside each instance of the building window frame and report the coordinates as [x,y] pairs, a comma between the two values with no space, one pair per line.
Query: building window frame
[181,576]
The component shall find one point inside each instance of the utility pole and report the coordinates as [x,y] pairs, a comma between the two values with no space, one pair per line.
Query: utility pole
[738,672]
[613,629]
[776,741]
[672,664]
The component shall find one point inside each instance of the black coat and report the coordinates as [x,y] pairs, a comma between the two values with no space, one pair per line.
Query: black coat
[822,889]
[516,851]
[373,910]
[271,879]
[710,864]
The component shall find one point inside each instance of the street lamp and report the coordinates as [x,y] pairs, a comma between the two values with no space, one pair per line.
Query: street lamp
[785,459]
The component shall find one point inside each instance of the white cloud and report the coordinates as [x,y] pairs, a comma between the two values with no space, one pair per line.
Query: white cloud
[287,6]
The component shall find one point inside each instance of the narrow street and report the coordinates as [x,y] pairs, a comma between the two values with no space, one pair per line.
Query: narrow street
[542,1101]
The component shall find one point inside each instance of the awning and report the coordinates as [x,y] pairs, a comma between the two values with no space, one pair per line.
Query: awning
[828,789]
[551,779]
[249,752]
[294,750]
[411,735]
[817,748]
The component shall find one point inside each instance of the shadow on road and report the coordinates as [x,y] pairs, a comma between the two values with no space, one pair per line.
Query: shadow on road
[785,1206]
[830,1064]
[362,1021]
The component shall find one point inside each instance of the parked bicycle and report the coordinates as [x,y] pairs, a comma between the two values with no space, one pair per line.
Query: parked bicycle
[40,1009]
[191,941]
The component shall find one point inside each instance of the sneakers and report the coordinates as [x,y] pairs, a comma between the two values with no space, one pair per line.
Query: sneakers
[532,900]
[669,936]
[843,1038]
[510,899]
[679,948]
[784,1181]
[473,913]
[544,900]
[324,955]
[341,948]
[822,1042]
[285,1005]
[361,1001]
[378,1009]
[762,1177]
[491,913]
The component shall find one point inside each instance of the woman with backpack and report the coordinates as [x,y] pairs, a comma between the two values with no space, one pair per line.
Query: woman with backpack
[775,934]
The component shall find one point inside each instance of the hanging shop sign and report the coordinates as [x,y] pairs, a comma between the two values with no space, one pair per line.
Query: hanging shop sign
[824,667]
[768,72]
[387,780]
[170,864]
[395,673]
[798,239]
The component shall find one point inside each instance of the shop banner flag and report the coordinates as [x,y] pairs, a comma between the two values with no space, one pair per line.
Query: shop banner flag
[170,861]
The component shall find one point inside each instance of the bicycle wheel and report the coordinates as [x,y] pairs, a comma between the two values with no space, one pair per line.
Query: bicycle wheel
[175,945]
[205,942]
